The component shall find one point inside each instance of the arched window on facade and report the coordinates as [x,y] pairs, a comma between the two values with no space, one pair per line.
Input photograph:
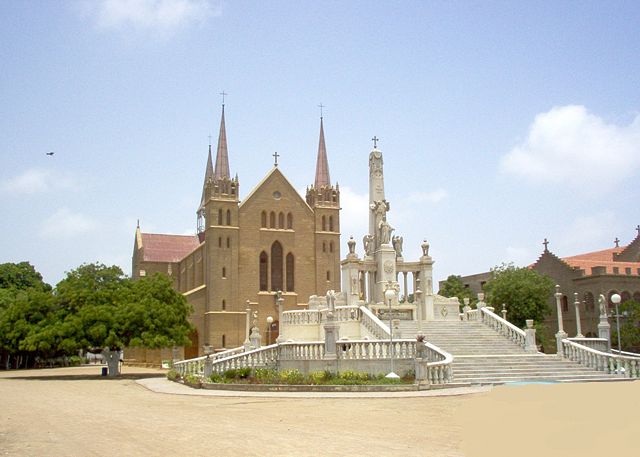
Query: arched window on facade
[331,223]
[290,273]
[276,266]
[219,217]
[281,221]
[289,221]
[264,268]
[324,224]
[324,246]
[263,219]
[228,217]
[625,296]
[272,220]
[328,275]
[224,305]
[219,241]
[224,272]
[331,246]
[224,341]
[589,302]
[565,304]
[228,242]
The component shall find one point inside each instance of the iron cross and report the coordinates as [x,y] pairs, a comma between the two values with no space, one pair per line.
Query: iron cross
[375,142]
[275,156]
[223,93]
[617,242]
[546,245]
[321,106]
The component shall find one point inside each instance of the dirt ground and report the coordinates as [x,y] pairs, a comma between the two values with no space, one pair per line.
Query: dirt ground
[72,412]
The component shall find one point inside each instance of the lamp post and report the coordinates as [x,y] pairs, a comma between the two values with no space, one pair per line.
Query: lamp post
[269,322]
[390,294]
[615,298]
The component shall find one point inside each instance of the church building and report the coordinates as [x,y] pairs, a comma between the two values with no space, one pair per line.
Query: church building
[247,253]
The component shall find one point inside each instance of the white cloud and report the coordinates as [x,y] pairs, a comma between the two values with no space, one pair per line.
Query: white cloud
[35,180]
[64,223]
[154,15]
[434,196]
[571,146]
[587,233]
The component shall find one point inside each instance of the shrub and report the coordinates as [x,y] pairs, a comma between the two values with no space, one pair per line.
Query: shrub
[75,361]
[354,376]
[192,379]
[291,377]
[266,376]
[231,373]
[173,375]
[319,377]
[215,378]
[243,373]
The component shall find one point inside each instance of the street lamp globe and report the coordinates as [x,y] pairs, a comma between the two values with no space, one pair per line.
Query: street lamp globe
[616,299]
[269,322]
[389,294]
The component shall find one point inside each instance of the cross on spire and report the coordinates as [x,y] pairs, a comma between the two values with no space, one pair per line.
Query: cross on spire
[223,93]
[375,142]
[321,106]
[209,139]
[546,245]
[617,242]
[638,229]
[275,156]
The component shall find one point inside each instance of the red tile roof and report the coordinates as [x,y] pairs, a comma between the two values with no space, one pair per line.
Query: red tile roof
[167,248]
[602,258]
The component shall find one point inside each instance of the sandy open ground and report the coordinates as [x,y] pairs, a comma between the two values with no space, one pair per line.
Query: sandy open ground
[72,412]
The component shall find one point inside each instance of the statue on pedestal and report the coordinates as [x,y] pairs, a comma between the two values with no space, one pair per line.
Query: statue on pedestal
[352,245]
[397,245]
[385,230]
[368,245]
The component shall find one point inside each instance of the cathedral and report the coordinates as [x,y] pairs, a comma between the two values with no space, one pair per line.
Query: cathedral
[247,253]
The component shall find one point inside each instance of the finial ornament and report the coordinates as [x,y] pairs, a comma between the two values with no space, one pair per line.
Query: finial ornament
[546,245]
[617,242]
[375,140]
[321,106]
[209,140]
[638,229]
[223,93]
[275,156]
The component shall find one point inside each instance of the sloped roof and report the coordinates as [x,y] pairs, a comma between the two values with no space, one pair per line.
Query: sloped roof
[167,248]
[603,258]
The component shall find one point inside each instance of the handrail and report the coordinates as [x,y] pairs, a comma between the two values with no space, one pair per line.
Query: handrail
[372,323]
[599,344]
[197,366]
[624,353]
[609,363]
[435,372]
[503,326]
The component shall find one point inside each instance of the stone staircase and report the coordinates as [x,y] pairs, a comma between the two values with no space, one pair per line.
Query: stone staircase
[482,356]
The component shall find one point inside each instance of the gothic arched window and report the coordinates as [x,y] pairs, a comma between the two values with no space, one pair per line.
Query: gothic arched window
[331,246]
[324,246]
[224,272]
[224,305]
[219,217]
[290,273]
[228,242]
[264,267]
[228,217]
[276,266]
[263,219]
[281,220]
[331,223]
[289,221]
[324,223]
[272,220]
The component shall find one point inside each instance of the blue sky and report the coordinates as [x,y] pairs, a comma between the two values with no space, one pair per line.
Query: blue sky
[501,123]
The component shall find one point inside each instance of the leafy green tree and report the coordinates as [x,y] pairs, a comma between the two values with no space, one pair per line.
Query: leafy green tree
[98,307]
[629,327]
[454,287]
[523,290]
[21,276]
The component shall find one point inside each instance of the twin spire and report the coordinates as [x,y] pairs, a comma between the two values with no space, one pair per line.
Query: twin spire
[322,164]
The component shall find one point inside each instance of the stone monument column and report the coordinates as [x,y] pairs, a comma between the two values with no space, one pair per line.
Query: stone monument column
[351,274]
[561,335]
[426,282]
[604,328]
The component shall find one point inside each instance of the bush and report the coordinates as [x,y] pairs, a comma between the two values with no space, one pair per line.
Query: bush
[216,378]
[173,375]
[75,361]
[266,376]
[231,373]
[192,379]
[356,377]
[244,372]
[291,377]
[319,377]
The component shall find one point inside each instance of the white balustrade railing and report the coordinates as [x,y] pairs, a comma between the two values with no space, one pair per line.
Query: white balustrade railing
[624,353]
[607,362]
[222,361]
[436,367]
[374,349]
[309,350]
[346,313]
[196,365]
[599,344]
[472,315]
[374,325]
[301,317]
[502,326]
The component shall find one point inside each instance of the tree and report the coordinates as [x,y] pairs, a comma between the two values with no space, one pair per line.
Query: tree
[97,307]
[629,327]
[454,287]
[524,291]
[21,276]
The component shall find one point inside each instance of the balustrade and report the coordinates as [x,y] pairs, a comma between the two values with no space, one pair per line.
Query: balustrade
[374,325]
[627,366]
[502,326]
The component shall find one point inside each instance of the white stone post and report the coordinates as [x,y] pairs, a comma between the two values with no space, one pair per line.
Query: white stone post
[208,366]
[480,304]
[530,338]
[504,311]
[255,336]
[466,308]
[280,302]
[576,303]
[561,335]
[418,301]
[330,337]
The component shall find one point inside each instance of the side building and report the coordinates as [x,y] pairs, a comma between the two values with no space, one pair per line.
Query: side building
[247,252]
[609,271]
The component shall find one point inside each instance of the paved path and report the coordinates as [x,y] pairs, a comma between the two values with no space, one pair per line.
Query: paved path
[75,412]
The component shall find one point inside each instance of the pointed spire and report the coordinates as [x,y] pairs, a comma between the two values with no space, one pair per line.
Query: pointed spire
[208,174]
[222,158]
[322,164]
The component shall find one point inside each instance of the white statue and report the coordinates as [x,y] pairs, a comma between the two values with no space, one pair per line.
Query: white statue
[425,248]
[368,245]
[385,230]
[397,245]
[352,245]
[601,304]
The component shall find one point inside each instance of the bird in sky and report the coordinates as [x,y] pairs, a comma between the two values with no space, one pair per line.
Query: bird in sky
[49,153]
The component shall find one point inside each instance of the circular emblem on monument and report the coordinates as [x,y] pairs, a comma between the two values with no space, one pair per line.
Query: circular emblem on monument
[388,266]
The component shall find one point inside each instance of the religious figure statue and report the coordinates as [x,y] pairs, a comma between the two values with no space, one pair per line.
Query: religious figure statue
[425,248]
[354,286]
[601,304]
[385,232]
[380,208]
[331,300]
[397,245]
[368,245]
[352,245]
